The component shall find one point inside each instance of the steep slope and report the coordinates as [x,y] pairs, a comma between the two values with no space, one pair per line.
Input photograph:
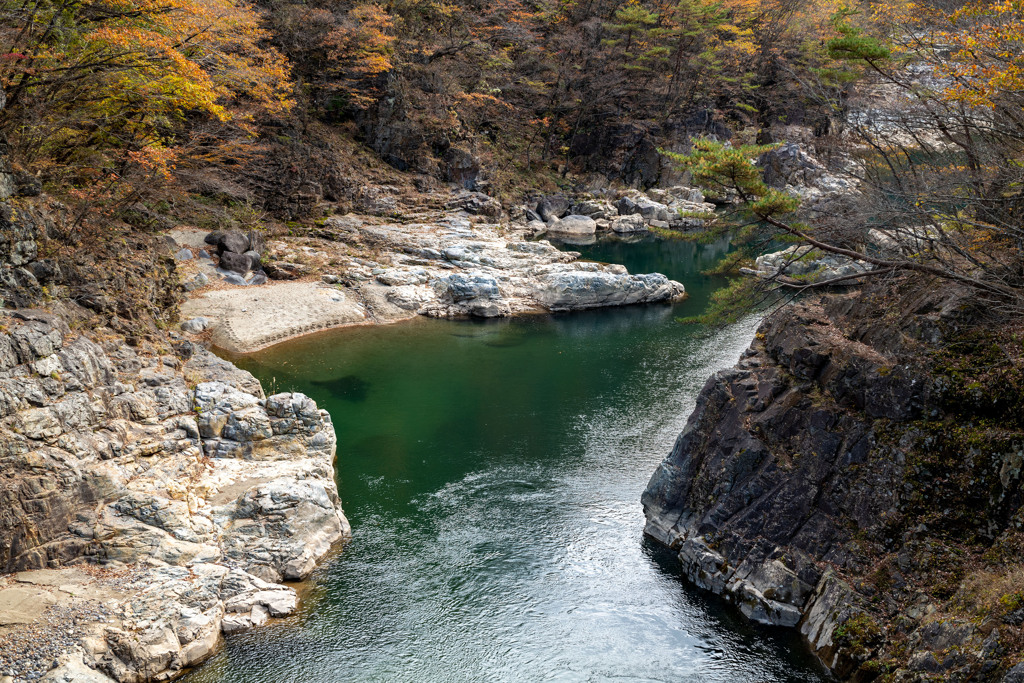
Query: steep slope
[857,475]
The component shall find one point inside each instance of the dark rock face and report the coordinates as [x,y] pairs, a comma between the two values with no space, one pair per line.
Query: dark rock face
[233,241]
[237,263]
[553,207]
[796,491]
[789,165]
[462,166]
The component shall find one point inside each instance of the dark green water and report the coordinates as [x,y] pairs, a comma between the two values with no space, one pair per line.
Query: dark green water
[492,473]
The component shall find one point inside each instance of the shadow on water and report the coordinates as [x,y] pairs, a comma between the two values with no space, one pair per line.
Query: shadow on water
[347,388]
[492,473]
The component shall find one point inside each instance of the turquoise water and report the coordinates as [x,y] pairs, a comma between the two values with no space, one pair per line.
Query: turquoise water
[492,473]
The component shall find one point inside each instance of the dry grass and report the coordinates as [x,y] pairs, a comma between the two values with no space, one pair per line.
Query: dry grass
[986,593]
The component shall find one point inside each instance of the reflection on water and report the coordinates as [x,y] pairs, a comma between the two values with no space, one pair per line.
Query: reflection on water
[492,472]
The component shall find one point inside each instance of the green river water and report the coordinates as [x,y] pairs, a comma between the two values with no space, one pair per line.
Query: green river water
[492,473]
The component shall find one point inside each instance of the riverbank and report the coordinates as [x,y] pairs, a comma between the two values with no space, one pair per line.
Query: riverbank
[857,477]
[491,471]
[358,270]
[154,499]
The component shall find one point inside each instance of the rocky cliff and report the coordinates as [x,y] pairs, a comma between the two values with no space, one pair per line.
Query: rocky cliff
[152,495]
[857,475]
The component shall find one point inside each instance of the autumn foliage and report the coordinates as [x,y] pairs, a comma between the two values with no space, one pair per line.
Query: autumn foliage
[99,93]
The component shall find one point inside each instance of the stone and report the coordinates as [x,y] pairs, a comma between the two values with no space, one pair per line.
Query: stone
[237,263]
[629,224]
[184,255]
[232,278]
[462,287]
[651,210]
[577,290]
[200,280]
[476,203]
[789,164]
[1015,675]
[255,243]
[28,185]
[573,225]
[104,457]
[625,206]
[553,206]
[595,208]
[284,270]
[71,668]
[195,325]
[233,242]
[232,623]
[461,166]
[807,263]
[535,228]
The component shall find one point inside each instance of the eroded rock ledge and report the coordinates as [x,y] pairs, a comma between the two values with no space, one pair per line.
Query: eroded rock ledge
[447,267]
[153,496]
[851,477]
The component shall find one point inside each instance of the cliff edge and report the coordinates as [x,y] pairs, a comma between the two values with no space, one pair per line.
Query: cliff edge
[151,498]
[857,476]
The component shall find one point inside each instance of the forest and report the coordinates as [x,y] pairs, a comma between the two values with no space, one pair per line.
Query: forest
[119,105]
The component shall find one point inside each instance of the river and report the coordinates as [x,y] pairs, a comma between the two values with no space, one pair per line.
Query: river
[492,472]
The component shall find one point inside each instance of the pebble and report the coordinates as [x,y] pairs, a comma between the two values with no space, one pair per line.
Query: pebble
[28,652]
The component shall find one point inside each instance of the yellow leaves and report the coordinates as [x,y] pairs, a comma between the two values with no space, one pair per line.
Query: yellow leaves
[166,58]
[482,99]
[985,41]
[363,42]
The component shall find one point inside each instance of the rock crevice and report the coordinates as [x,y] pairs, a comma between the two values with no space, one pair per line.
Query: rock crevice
[821,484]
[168,472]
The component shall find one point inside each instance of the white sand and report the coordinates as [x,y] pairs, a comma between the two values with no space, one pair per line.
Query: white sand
[246,319]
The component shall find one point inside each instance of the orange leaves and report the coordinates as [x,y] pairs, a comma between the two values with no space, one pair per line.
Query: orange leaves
[363,45]
[112,84]
[988,60]
[984,42]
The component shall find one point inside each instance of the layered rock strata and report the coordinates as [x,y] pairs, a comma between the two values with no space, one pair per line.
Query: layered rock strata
[164,492]
[448,267]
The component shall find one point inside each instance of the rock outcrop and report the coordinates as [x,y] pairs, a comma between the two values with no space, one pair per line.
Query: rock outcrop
[166,470]
[451,266]
[857,475]
[806,264]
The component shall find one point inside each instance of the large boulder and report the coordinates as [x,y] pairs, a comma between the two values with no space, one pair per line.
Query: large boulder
[595,208]
[573,225]
[652,210]
[629,224]
[237,263]
[474,294]
[625,206]
[573,290]
[256,242]
[806,263]
[553,206]
[232,241]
